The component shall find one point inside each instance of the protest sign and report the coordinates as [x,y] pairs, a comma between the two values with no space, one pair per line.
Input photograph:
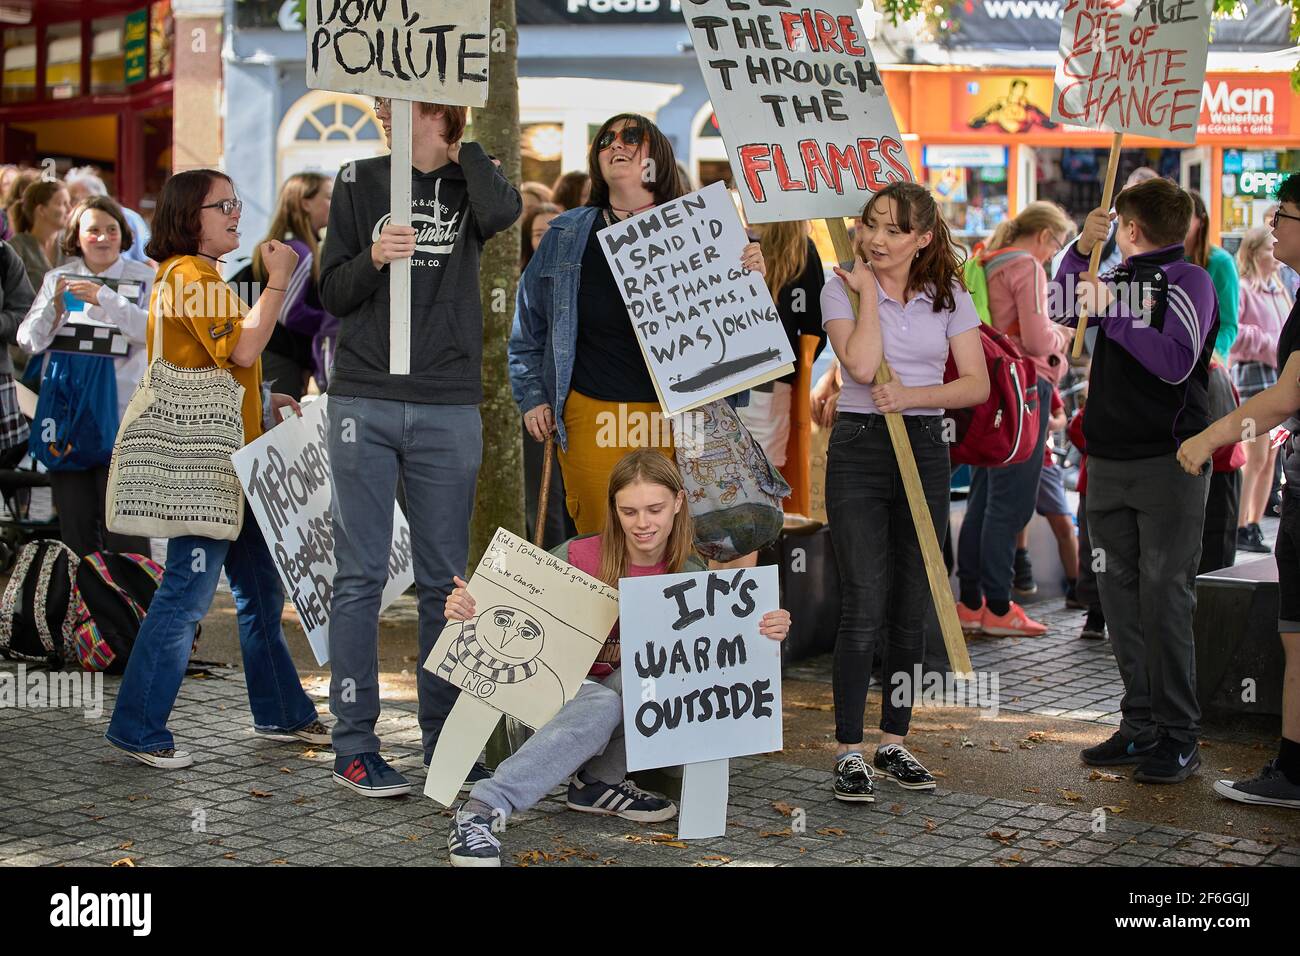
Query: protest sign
[708,328]
[403,51]
[801,105]
[700,682]
[538,627]
[1133,66]
[286,477]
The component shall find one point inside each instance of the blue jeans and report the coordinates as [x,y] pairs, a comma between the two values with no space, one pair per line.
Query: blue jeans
[885,593]
[1001,503]
[162,648]
[437,450]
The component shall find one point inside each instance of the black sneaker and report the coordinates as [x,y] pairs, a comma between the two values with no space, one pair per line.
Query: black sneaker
[853,780]
[476,773]
[1170,762]
[1116,751]
[1022,581]
[370,775]
[1271,788]
[1250,538]
[1094,626]
[1072,596]
[470,841]
[625,800]
[895,763]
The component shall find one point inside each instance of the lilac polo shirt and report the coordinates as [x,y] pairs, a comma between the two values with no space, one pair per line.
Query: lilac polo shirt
[915,339]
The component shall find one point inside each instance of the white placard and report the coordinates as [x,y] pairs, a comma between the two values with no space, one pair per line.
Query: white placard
[699,681]
[286,476]
[707,327]
[432,51]
[1134,66]
[801,105]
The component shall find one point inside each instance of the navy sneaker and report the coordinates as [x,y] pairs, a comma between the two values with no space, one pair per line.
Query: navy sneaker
[470,841]
[625,800]
[1271,788]
[1169,762]
[476,773]
[1116,751]
[369,775]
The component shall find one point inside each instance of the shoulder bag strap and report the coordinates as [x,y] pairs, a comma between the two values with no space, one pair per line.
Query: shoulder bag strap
[157,350]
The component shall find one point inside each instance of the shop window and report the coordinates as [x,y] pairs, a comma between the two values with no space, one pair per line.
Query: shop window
[63,61]
[970,184]
[324,130]
[161,30]
[1250,181]
[109,43]
[19,84]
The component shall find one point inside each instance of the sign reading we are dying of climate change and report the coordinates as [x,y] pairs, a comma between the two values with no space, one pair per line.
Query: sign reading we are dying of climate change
[432,52]
[700,682]
[1133,66]
[801,105]
[708,327]
[286,476]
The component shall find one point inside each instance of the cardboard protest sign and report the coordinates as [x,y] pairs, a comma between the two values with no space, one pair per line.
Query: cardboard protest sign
[432,52]
[801,105]
[1133,66]
[539,626]
[286,476]
[707,327]
[700,682]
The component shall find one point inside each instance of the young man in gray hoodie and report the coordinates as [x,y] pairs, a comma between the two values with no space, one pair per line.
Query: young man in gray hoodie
[423,427]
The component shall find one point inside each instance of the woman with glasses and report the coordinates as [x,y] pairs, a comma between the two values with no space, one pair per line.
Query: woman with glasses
[206,324]
[1002,499]
[575,363]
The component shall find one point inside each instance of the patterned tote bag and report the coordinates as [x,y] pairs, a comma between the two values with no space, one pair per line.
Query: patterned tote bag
[171,472]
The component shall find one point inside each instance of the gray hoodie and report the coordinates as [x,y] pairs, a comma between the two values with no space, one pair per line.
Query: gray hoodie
[455,209]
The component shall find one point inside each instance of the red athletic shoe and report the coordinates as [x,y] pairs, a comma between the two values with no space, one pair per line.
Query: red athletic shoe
[1015,623]
[972,622]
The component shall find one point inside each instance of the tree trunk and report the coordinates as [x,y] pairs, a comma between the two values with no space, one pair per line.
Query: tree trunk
[500,501]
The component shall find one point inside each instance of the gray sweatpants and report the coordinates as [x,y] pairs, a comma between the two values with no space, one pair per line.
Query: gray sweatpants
[1146,517]
[587,734]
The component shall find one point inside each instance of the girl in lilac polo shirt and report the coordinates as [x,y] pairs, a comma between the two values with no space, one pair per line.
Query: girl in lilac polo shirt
[913,309]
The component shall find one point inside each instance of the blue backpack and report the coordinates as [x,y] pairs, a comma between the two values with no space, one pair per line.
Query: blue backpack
[75,424]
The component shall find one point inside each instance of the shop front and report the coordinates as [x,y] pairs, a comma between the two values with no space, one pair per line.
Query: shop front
[90,82]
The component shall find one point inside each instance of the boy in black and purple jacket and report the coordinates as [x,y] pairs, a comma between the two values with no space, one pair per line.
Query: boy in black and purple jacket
[1156,317]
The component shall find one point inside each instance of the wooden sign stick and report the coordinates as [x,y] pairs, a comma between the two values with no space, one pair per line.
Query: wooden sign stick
[953,638]
[1108,193]
[399,270]
[544,493]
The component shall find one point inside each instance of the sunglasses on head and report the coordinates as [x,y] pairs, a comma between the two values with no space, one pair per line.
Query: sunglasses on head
[630,135]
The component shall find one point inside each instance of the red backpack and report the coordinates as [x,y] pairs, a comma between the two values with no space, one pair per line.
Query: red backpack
[1003,429]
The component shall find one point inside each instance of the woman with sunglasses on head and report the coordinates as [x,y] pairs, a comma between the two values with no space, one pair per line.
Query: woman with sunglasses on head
[574,356]
[912,310]
[206,324]
[1002,499]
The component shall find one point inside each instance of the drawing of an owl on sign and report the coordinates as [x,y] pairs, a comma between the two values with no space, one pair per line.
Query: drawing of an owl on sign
[502,645]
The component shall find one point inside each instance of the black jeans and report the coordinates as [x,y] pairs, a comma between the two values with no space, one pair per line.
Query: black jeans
[884,590]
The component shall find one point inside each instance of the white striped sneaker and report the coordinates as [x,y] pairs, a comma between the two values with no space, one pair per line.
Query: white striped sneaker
[625,800]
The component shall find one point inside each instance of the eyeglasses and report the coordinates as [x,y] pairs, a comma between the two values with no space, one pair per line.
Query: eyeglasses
[630,135]
[383,104]
[228,207]
[1281,215]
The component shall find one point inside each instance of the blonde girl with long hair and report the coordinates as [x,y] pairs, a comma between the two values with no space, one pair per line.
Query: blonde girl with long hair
[1265,304]
[795,279]
[647,532]
[301,345]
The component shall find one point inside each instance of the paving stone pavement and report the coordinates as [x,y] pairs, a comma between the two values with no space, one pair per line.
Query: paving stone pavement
[71,798]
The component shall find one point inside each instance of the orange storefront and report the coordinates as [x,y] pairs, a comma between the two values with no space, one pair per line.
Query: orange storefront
[984,141]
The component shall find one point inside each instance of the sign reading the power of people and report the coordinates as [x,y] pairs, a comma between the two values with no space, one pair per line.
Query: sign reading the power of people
[801,104]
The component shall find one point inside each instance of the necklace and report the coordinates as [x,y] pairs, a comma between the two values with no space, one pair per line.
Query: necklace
[631,212]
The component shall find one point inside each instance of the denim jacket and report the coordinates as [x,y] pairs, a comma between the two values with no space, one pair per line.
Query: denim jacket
[546,319]
[546,316]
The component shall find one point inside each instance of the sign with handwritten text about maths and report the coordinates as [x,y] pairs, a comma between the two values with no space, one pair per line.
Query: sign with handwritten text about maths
[432,51]
[286,477]
[708,328]
[699,681]
[1133,66]
[801,105]
[539,623]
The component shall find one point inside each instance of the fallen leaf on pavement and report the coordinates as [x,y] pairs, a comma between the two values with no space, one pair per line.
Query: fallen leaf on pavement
[127,845]
[718,858]
[1070,795]
[930,825]
[1050,844]
[259,793]
[1114,809]
[285,770]
[1105,777]
[1003,838]
[1031,790]
[783,808]
[997,748]
[125,861]
[279,862]
[309,754]
[831,831]
[227,856]
[775,833]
